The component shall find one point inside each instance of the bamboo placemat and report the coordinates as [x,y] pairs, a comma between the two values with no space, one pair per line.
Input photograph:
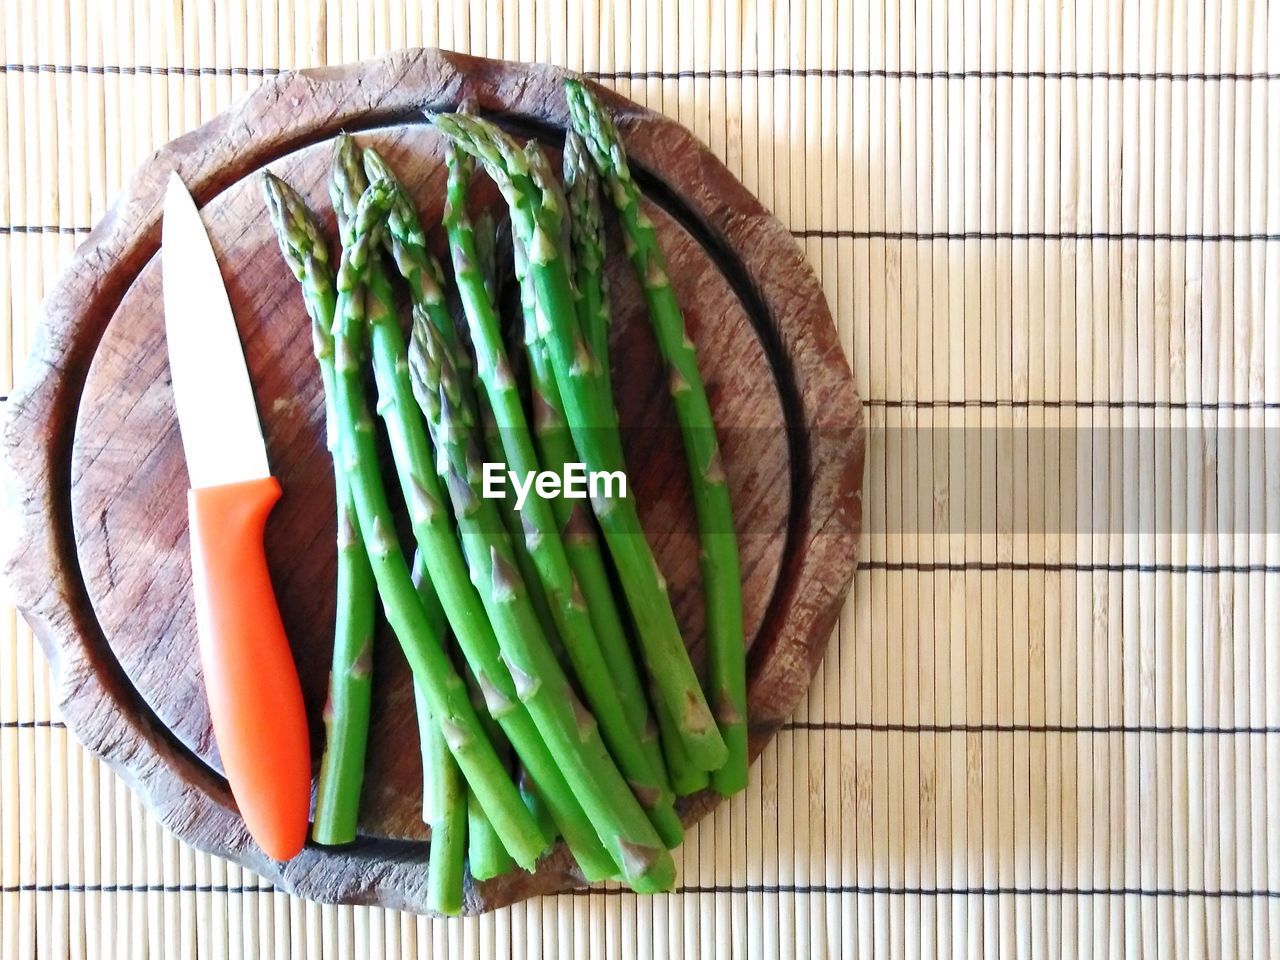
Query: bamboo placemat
[1050,721]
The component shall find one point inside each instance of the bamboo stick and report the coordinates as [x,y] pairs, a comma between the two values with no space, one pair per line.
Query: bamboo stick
[796,142]
[1141,851]
[1271,310]
[1167,357]
[941,498]
[1248,485]
[1179,352]
[1092,631]
[1197,933]
[1036,774]
[968,459]
[1253,40]
[902,215]
[732,830]
[1025,643]
[1217,588]
[1073,291]
[880,928]
[1061,171]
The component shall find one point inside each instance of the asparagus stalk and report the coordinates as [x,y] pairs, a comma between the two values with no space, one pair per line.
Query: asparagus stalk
[515,531]
[586,221]
[346,714]
[432,526]
[593,318]
[485,852]
[486,855]
[555,447]
[541,533]
[569,729]
[593,425]
[443,806]
[587,231]
[494,667]
[491,434]
[534,801]
[444,690]
[721,575]
[486,245]
[407,243]
[448,805]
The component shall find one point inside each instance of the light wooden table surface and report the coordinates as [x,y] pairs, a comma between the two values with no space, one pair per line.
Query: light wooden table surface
[1049,723]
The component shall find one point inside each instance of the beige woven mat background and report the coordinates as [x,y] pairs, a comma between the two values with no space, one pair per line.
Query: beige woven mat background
[1050,721]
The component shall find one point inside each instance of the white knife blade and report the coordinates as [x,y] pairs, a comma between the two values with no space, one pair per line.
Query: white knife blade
[221,433]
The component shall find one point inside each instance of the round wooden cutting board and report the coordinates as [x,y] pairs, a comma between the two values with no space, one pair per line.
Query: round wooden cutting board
[100,565]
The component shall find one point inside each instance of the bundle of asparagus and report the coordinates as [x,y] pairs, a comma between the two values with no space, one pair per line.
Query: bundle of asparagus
[534,723]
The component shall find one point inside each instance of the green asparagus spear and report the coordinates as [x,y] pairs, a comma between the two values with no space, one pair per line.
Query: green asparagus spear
[450,805]
[484,850]
[586,229]
[582,188]
[593,317]
[411,451]
[407,243]
[412,454]
[422,644]
[485,853]
[587,233]
[443,806]
[569,729]
[446,803]
[492,437]
[534,801]
[541,533]
[721,575]
[346,714]
[486,246]
[515,531]
[594,429]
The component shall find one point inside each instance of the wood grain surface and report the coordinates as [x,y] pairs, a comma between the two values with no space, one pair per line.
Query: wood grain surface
[102,569]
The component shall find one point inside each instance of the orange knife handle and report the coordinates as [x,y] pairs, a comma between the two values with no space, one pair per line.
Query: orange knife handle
[255,698]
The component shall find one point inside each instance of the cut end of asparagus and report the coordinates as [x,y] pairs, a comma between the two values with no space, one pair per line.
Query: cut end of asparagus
[646,869]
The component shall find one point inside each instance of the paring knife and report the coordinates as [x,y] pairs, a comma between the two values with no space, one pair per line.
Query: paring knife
[255,698]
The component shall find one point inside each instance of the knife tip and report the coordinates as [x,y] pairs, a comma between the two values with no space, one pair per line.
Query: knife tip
[177,190]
